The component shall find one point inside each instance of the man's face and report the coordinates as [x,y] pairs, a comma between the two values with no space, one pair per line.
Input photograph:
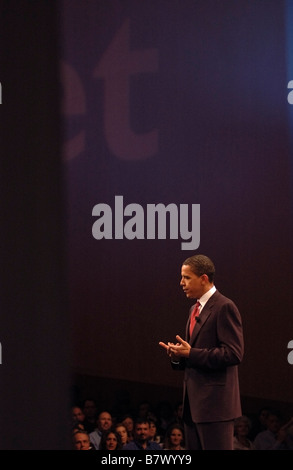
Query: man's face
[77,414]
[104,421]
[81,441]
[193,285]
[142,432]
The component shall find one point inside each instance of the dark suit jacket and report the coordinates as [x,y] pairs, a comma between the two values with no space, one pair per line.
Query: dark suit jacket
[211,370]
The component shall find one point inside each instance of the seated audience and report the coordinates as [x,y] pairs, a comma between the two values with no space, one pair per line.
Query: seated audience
[154,436]
[90,412]
[104,422]
[128,422]
[258,422]
[164,430]
[141,440]
[110,440]
[77,416]
[276,436]
[242,426]
[81,440]
[122,430]
[174,438]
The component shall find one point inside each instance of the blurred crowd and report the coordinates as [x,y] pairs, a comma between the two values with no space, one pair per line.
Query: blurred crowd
[161,427]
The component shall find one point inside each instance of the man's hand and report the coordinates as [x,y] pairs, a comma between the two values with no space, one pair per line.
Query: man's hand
[168,350]
[175,351]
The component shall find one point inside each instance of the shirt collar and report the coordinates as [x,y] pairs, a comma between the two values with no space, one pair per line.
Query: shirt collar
[204,298]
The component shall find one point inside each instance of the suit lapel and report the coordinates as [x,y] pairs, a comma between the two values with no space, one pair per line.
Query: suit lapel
[204,315]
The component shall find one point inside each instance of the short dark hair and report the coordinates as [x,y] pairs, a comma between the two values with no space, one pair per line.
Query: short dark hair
[201,264]
[141,420]
[80,431]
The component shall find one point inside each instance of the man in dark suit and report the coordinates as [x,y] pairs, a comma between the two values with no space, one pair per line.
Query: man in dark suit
[209,355]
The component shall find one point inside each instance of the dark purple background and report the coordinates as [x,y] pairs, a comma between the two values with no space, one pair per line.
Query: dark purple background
[218,103]
[207,123]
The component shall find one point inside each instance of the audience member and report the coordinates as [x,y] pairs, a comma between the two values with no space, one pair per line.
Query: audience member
[81,440]
[174,438]
[103,423]
[90,411]
[128,422]
[258,422]
[77,415]
[141,439]
[153,434]
[122,430]
[110,440]
[276,436]
[143,410]
[242,426]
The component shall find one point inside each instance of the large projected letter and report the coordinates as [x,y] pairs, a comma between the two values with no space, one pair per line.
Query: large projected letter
[116,66]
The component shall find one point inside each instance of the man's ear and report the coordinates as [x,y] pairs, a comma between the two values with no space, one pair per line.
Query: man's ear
[205,278]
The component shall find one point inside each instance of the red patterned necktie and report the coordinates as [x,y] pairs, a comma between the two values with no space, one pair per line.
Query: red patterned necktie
[193,317]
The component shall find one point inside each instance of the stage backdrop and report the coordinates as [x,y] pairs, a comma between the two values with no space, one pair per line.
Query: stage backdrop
[183,104]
